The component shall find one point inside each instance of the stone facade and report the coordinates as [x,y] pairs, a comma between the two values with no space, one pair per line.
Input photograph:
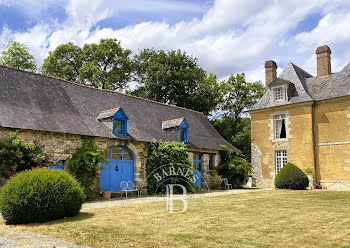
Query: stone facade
[298,142]
[332,118]
[63,145]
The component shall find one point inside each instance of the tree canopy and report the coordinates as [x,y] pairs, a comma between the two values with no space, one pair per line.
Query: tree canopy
[104,65]
[174,77]
[16,55]
[64,62]
[239,95]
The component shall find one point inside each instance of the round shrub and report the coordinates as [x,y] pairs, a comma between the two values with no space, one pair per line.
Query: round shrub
[291,177]
[40,195]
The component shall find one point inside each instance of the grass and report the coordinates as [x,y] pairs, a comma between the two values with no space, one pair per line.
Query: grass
[256,219]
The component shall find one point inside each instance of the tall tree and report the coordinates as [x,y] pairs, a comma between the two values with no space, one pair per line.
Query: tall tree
[173,77]
[16,55]
[240,94]
[65,62]
[105,65]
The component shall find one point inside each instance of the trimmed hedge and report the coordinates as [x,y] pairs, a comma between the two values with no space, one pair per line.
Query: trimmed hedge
[40,195]
[291,177]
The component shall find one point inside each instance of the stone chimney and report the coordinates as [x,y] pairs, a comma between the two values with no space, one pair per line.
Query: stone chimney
[270,72]
[323,61]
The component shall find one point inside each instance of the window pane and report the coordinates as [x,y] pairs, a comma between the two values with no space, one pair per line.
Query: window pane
[281,159]
[279,127]
[182,135]
[127,155]
[278,94]
[211,162]
[118,128]
[116,153]
[200,157]
[199,166]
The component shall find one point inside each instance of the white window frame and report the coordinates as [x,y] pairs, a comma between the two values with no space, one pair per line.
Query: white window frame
[277,126]
[281,159]
[279,94]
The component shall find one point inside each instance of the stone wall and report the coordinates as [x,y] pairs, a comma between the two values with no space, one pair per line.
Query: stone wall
[63,145]
[298,143]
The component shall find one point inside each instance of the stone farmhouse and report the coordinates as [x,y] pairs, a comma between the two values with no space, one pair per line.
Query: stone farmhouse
[60,113]
[305,120]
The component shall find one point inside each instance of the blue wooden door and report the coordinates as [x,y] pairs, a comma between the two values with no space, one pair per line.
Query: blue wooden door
[198,169]
[120,168]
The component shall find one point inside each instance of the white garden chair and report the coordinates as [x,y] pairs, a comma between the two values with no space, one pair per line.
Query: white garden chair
[227,185]
[128,187]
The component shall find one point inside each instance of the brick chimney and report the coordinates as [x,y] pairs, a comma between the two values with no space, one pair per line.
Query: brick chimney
[270,72]
[323,61]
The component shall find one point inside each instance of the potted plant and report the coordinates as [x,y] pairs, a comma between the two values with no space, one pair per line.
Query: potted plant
[217,181]
[106,194]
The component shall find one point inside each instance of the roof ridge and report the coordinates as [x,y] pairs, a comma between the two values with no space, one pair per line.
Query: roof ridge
[108,110]
[174,119]
[111,91]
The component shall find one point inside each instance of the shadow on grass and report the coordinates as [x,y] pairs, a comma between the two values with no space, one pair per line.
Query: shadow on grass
[80,217]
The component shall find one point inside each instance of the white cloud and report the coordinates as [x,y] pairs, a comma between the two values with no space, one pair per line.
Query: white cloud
[232,37]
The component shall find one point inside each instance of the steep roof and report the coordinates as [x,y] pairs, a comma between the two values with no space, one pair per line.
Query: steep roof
[309,88]
[37,102]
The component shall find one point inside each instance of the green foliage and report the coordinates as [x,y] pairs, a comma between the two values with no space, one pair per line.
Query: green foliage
[174,77]
[105,65]
[234,167]
[64,62]
[17,155]
[240,95]
[85,166]
[237,132]
[308,170]
[163,157]
[16,55]
[217,180]
[291,177]
[39,196]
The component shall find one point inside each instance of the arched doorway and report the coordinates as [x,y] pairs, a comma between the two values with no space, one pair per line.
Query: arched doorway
[120,168]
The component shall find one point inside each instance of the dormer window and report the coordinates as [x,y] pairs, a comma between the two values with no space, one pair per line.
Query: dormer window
[278,92]
[177,128]
[116,120]
[184,135]
[120,123]
[119,126]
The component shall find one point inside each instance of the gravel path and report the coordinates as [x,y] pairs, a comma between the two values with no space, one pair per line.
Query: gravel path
[132,201]
[12,238]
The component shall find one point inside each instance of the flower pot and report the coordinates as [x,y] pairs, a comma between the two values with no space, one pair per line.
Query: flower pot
[106,194]
[217,187]
[318,187]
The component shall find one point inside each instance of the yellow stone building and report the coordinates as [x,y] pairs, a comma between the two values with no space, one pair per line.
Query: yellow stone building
[304,120]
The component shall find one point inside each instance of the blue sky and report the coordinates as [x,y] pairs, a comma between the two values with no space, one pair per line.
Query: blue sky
[227,36]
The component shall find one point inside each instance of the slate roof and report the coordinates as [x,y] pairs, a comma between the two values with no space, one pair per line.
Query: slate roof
[307,87]
[33,101]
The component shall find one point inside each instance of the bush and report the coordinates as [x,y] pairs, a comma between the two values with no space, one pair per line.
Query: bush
[85,166]
[162,158]
[17,155]
[291,177]
[234,167]
[40,195]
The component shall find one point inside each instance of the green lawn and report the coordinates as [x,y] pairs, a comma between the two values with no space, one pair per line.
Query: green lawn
[255,219]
